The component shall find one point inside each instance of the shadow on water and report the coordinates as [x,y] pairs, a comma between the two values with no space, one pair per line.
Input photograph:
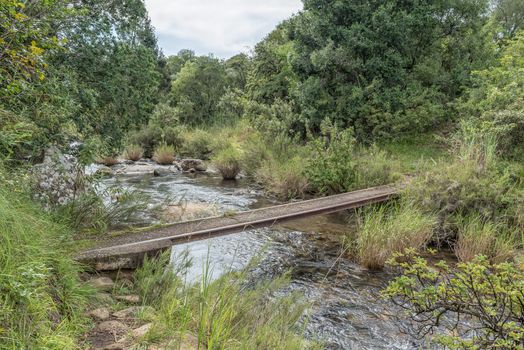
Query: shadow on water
[347,312]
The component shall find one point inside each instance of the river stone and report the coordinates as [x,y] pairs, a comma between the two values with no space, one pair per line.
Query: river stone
[113,327]
[131,299]
[141,331]
[102,283]
[100,314]
[196,164]
[164,171]
[132,311]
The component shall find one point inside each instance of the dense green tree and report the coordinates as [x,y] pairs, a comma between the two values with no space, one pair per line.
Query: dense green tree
[385,67]
[112,50]
[508,17]
[496,101]
[197,89]
[271,76]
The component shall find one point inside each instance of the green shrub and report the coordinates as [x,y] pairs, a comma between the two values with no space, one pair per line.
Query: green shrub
[227,162]
[133,152]
[174,136]
[42,301]
[435,297]
[388,229]
[336,166]
[197,144]
[164,154]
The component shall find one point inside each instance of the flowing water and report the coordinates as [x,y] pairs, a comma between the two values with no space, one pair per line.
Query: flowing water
[346,313]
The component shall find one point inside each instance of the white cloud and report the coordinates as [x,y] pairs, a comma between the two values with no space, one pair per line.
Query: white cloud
[221,27]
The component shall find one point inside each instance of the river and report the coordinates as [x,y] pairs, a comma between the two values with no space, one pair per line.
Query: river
[346,309]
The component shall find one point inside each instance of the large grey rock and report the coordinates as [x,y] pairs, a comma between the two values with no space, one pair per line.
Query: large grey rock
[165,171]
[196,164]
[58,179]
[113,327]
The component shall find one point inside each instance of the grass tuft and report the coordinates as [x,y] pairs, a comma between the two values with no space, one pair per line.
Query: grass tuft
[227,161]
[134,152]
[164,154]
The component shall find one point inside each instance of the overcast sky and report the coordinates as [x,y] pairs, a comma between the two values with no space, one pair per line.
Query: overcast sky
[221,27]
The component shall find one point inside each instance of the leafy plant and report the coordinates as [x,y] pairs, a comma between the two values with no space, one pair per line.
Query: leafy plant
[436,297]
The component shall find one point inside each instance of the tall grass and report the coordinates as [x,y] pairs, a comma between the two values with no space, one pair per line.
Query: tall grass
[41,297]
[227,161]
[134,152]
[479,237]
[221,314]
[387,229]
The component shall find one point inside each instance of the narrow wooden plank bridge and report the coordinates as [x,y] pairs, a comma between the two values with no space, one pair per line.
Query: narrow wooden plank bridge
[128,250]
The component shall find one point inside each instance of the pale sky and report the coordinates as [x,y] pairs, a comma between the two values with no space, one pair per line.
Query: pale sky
[221,27]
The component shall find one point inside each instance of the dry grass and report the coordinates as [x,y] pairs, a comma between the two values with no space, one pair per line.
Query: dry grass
[478,237]
[285,180]
[386,230]
[133,152]
[164,154]
[107,160]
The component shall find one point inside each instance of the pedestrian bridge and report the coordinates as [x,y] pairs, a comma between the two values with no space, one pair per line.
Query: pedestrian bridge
[128,250]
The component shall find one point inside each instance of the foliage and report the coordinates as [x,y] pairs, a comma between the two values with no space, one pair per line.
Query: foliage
[164,154]
[385,68]
[386,230]
[336,165]
[472,181]
[227,161]
[283,178]
[197,144]
[436,297]
[133,152]
[197,89]
[42,301]
[497,99]
[147,138]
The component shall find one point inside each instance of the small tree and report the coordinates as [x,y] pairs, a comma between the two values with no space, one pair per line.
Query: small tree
[489,297]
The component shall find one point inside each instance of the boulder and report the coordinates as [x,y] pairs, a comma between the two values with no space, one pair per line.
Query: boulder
[196,164]
[165,171]
[58,179]
[113,327]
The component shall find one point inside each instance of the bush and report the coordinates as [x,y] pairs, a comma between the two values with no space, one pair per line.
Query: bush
[437,298]
[147,138]
[164,154]
[474,182]
[107,160]
[336,166]
[133,152]
[389,229]
[227,162]
[197,144]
